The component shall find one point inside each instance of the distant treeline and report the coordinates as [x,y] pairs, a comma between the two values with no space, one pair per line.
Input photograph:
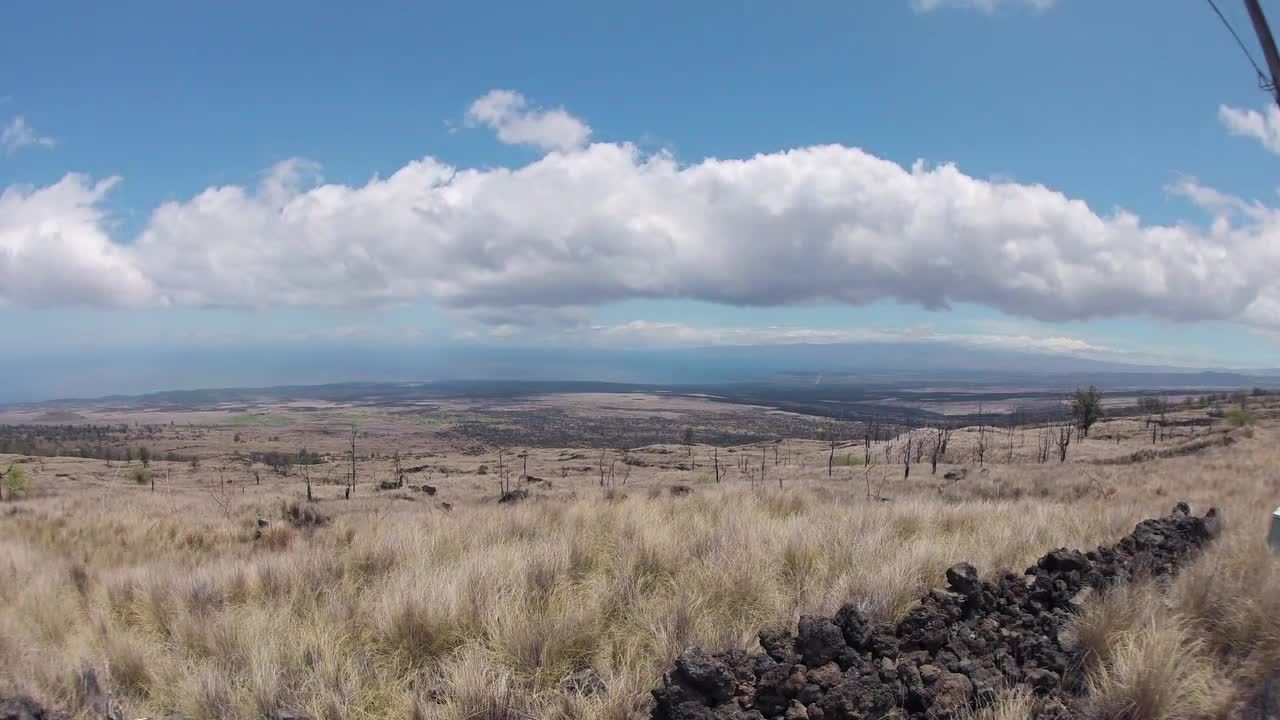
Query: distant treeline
[282,461]
[101,442]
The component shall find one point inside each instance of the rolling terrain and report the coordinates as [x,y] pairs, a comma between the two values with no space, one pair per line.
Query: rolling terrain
[466,575]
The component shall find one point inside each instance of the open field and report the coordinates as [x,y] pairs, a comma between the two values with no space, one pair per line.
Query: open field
[215,589]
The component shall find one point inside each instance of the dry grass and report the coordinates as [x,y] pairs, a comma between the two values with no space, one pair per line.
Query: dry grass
[394,608]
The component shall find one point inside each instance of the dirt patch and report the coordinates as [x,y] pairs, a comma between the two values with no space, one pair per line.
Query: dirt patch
[947,657]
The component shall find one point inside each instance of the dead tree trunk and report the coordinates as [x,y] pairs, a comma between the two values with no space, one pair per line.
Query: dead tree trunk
[352,485]
[831,455]
[1064,439]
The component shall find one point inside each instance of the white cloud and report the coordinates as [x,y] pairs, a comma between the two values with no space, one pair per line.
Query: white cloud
[507,112]
[54,250]
[676,334]
[987,6]
[18,134]
[607,222]
[1265,128]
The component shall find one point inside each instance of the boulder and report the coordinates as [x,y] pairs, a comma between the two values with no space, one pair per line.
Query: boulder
[962,578]
[818,640]
[951,695]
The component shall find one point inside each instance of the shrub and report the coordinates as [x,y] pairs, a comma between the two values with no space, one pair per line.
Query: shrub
[141,475]
[849,460]
[1239,417]
[1086,408]
[302,516]
[276,537]
[15,481]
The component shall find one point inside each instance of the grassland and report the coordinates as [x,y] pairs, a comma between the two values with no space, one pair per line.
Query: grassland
[453,606]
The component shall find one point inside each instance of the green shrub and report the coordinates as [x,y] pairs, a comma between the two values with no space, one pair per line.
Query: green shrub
[15,481]
[1239,417]
[141,475]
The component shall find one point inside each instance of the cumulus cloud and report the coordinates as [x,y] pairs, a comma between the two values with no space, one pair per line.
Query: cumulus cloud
[607,222]
[17,134]
[1261,126]
[509,114]
[54,250]
[987,6]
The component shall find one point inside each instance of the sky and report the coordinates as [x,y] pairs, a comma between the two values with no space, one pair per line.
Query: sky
[1069,176]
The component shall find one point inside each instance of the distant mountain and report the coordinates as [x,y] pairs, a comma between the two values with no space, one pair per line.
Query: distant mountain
[32,377]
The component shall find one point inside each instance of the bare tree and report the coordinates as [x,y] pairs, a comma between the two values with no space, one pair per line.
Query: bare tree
[866,478]
[687,440]
[1164,408]
[941,435]
[624,453]
[306,477]
[504,473]
[980,449]
[399,471]
[871,434]
[891,439]
[351,485]
[1045,445]
[906,457]
[1065,429]
[715,460]
[621,454]
[222,497]
[832,440]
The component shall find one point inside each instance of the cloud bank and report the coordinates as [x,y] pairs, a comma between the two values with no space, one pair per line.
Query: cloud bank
[591,224]
[676,334]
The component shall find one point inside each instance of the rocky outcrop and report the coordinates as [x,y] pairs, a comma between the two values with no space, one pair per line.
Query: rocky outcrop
[948,656]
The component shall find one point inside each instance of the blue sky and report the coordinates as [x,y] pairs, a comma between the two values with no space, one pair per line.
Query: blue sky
[1096,178]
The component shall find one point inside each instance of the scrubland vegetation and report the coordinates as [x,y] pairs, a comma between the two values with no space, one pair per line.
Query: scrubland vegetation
[201,596]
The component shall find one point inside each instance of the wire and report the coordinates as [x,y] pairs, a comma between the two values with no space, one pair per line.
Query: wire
[1263,82]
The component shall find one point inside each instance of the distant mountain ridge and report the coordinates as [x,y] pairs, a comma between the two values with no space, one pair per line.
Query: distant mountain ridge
[33,378]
